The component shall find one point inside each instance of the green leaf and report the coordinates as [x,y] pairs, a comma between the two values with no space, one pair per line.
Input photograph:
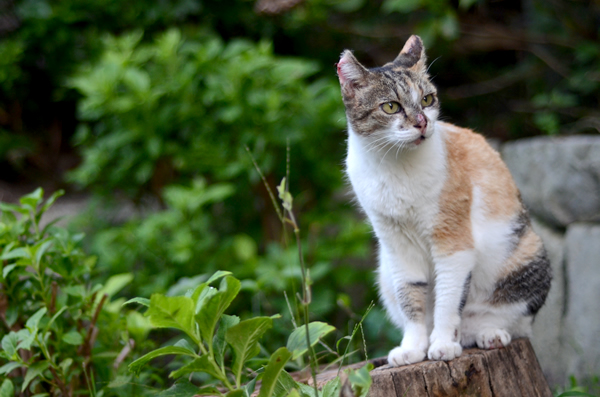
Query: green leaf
[6,368]
[9,343]
[273,370]
[13,208]
[292,393]
[219,343]
[65,364]
[32,199]
[186,345]
[243,339]
[51,200]
[361,380]
[574,393]
[33,372]
[34,321]
[19,252]
[119,381]
[7,389]
[183,388]
[200,364]
[26,338]
[137,365]
[7,269]
[297,340]
[40,249]
[332,388]
[73,338]
[209,313]
[141,301]
[115,284]
[138,325]
[285,385]
[236,393]
[173,312]
[56,315]
[218,274]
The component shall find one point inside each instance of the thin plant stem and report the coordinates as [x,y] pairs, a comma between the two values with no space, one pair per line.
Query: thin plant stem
[306,295]
[354,331]
[306,299]
[262,176]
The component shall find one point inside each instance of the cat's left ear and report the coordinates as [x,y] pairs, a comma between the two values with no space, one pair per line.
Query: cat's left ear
[412,55]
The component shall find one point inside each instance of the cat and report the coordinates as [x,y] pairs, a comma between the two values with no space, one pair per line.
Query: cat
[459,263]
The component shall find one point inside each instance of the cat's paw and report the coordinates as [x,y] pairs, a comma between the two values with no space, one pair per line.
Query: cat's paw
[403,356]
[493,338]
[444,350]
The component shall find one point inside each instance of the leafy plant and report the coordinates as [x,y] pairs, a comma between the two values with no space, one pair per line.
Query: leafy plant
[61,332]
[222,346]
[201,310]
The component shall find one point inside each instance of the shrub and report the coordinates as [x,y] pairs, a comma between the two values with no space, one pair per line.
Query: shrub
[63,334]
[178,107]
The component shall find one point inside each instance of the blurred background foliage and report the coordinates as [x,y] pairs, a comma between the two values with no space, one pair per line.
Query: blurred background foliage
[152,108]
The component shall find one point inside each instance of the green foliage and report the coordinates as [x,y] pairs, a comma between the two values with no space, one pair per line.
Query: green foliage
[587,387]
[222,346]
[182,106]
[61,331]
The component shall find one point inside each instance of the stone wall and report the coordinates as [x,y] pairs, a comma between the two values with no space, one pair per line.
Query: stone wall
[559,179]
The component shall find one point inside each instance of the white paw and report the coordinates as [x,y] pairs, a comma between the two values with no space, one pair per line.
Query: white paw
[444,350]
[493,338]
[403,356]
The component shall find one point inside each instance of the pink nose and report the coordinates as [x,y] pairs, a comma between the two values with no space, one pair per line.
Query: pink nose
[421,122]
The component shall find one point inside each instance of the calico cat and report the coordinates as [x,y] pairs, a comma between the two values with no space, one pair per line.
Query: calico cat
[459,264]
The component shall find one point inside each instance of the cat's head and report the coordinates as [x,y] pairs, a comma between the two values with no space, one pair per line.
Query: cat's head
[394,104]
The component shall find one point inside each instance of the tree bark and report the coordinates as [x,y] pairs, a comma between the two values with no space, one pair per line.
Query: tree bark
[509,372]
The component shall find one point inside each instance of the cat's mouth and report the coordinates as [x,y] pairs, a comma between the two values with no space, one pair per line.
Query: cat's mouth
[419,140]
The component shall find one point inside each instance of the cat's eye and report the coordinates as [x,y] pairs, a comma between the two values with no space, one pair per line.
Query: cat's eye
[391,107]
[427,100]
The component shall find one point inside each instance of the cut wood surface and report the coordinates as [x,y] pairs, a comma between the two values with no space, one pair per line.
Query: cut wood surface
[512,371]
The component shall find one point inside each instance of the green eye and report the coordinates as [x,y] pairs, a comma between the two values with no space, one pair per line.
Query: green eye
[427,100]
[391,107]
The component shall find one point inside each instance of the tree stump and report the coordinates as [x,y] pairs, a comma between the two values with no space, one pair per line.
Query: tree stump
[512,371]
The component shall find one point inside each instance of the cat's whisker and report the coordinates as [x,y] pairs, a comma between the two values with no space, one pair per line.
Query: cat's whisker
[383,158]
[377,144]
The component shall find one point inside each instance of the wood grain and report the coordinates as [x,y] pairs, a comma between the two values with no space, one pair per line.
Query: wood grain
[509,372]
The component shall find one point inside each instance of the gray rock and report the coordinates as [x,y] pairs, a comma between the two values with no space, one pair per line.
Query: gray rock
[582,321]
[559,178]
[547,328]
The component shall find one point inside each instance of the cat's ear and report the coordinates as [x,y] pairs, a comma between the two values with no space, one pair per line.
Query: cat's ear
[412,55]
[351,73]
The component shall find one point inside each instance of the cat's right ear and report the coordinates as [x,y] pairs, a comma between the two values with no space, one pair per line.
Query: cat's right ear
[351,73]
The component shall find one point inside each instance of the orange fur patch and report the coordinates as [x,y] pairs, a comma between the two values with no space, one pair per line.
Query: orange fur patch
[471,162]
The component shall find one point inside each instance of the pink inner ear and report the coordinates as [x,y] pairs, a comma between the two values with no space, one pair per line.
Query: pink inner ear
[340,70]
[411,46]
[347,69]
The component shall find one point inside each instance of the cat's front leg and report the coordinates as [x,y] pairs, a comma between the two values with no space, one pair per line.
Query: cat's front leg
[452,283]
[403,288]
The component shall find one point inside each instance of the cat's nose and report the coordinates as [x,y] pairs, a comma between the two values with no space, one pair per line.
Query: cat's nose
[421,123]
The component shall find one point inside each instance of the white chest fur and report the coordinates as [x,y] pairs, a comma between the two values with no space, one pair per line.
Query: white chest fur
[398,190]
